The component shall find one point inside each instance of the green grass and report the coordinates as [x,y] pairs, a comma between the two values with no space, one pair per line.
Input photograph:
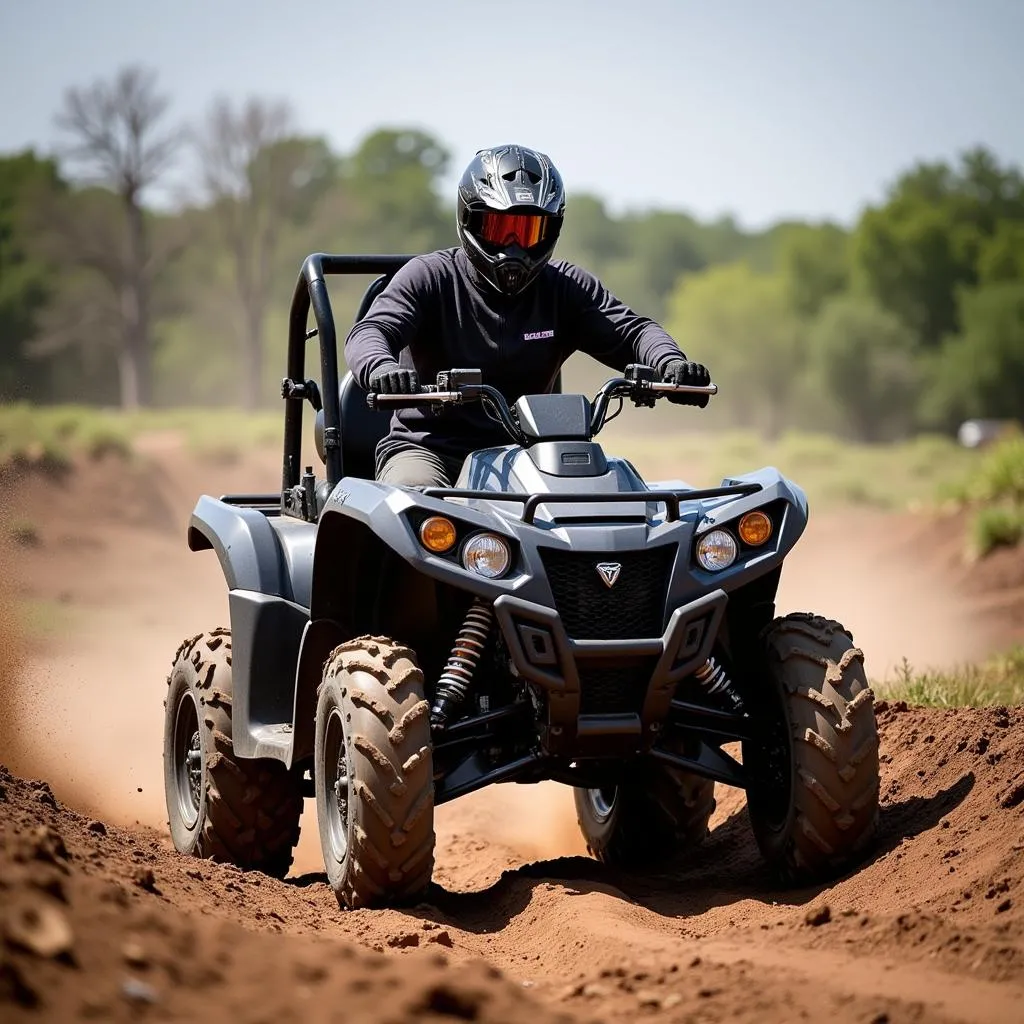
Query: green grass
[1001,474]
[996,682]
[997,526]
[51,437]
[994,489]
[833,472]
[223,436]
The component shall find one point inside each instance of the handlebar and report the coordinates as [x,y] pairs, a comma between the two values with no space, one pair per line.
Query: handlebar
[641,391]
[491,398]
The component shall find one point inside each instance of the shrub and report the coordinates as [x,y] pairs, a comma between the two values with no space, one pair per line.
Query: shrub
[996,490]
[1001,475]
[997,526]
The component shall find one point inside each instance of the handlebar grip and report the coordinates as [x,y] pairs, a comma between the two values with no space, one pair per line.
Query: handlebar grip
[393,401]
[684,389]
[429,396]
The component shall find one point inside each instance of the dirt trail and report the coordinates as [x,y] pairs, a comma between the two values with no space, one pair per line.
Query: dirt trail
[930,929]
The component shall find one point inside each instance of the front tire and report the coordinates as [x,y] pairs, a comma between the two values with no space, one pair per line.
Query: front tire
[657,814]
[374,774]
[813,800]
[239,811]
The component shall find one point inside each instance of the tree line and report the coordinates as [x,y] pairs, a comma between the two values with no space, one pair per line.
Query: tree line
[912,319]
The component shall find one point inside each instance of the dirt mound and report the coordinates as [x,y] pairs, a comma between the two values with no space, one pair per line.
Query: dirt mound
[940,895]
[90,929]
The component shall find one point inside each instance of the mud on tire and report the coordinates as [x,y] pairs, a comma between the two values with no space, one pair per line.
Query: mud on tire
[657,814]
[235,810]
[814,801]
[374,774]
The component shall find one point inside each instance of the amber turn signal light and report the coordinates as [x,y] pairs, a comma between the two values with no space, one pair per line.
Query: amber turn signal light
[437,534]
[755,528]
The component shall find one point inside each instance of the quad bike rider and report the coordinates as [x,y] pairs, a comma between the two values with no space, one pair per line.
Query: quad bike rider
[446,609]
[498,304]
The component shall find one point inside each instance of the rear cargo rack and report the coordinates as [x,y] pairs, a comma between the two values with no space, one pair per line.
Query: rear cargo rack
[531,502]
[268,504]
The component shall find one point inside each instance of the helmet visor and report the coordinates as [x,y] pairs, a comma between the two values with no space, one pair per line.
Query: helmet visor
[523,229]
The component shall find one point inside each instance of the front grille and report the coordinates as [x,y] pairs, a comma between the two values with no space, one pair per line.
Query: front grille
[614,691]
[631,609]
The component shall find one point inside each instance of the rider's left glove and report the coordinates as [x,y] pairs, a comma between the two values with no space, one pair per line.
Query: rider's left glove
[683,371]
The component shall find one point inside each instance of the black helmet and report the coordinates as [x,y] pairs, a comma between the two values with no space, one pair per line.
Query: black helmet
[510,210]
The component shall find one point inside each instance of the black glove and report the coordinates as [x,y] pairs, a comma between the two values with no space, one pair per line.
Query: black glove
[682,371]
[392,379]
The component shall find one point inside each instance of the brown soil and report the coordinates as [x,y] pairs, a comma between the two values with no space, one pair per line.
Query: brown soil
[931,927]
[93,927]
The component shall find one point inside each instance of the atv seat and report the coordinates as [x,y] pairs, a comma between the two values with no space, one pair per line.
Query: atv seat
[361,429]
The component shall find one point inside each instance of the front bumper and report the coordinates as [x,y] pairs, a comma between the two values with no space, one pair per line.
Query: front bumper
[576,724]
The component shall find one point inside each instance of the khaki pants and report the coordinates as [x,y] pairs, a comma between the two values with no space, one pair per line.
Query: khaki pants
[410,465]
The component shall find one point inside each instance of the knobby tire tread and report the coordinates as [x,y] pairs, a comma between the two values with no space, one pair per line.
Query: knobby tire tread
[380,690]
[253,806]
[834,737]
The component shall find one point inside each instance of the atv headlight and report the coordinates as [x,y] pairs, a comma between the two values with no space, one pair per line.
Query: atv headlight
[487,555]
[716,550]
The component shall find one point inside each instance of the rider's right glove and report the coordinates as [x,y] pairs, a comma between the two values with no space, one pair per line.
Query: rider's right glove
[682,371]
[392,379]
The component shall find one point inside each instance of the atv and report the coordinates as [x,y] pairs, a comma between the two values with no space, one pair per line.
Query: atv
[551,616]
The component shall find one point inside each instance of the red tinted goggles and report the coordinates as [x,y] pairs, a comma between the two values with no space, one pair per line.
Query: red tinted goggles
[524,229]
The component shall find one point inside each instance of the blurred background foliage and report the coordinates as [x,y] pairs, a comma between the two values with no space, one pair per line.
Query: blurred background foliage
[910,320]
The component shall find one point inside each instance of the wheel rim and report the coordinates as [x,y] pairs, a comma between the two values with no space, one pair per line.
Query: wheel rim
[188,759]
[336,785]
[771,764]
[778,770]
[602,802]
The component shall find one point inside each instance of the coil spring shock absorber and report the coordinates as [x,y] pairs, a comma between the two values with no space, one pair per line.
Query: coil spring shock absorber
[714,680]
[457,677]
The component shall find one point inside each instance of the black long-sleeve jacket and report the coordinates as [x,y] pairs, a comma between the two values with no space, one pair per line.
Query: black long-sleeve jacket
[438,313]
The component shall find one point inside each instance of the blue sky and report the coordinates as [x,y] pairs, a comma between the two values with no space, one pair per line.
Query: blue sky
[760,108]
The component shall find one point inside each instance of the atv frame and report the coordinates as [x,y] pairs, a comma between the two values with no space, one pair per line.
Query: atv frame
[322,562]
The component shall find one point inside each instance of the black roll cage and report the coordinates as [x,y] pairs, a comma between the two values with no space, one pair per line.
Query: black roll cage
[311,293]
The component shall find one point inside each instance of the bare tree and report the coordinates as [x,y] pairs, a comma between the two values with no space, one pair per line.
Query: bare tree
[114,127]
[252,177]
